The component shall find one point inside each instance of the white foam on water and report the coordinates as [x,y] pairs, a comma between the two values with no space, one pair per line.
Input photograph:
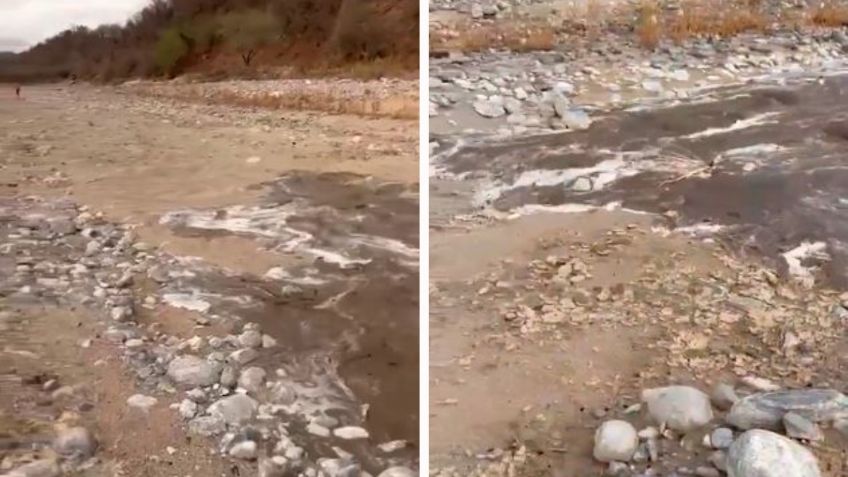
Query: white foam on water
[602,174]
[806,250]
[336,258]
[396,247]
[701,229]
[754,150]
[530,209]
[757,120]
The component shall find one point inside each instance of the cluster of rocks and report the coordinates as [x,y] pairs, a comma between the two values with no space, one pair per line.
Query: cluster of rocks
[745,443]
[67,254]
[559,90]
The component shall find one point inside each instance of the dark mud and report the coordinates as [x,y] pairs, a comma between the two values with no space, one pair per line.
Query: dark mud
[766,167]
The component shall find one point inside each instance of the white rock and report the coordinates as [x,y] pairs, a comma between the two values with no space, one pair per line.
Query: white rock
[188,409]
[234,410]
[142,402]
[759,453]
[681,408]
[75,442]
[245,450]
[350,433]
[39,468]
[193,371]
[615,441]
[252,379]
[398,472]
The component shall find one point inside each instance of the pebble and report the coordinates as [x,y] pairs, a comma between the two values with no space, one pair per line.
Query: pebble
[721,438]
[193,371]
[350,433]
[252,379]
[723,396]
[398,471]
[245,450]
[188,409]
[142,402]
[234,410]
[798,427]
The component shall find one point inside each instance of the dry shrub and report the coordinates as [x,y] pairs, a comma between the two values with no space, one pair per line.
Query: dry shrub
[519,38]
[830,14]
[648,28]
[699,19]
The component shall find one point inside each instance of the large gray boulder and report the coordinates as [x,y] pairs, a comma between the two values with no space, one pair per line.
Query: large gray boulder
[682,408]
[760,453]
[615,441]
[766,410]
[75,442]
[193,371]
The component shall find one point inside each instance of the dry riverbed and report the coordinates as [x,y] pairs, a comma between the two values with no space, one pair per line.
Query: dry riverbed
[196,288]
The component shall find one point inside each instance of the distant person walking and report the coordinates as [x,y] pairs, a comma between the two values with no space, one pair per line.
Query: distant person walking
[18,91]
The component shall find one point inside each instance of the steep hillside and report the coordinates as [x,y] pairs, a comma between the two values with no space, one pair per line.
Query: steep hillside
[225,38]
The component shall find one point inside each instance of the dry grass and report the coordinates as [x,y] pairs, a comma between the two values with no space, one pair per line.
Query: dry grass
[517,37]
[400,106]
[697,18]
[830,14]
[648,29]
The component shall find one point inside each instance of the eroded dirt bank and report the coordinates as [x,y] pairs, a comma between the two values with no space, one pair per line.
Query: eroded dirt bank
[236,288]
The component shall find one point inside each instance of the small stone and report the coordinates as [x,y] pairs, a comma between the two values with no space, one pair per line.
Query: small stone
[207,426]
[398,472]
[719,460]
[121,314]
[491,107]
[721,438]
[724,396]
[188,409]
[252,379]
[652,86]
[268,341]
[681,408]
[759,453]
[798,427]
[193,371]
[244,356]
[75,442]
[234,410]
[245,450]
[615,441]
[704,471]
[759,384]
[275,466]
[250,339]
[350,433]
[142,402]
[229,376]
[317,430]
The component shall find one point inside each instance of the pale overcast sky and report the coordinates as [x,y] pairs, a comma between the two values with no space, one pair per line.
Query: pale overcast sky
[24,23]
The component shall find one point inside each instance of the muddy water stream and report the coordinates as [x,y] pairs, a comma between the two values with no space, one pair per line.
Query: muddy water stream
[764,167]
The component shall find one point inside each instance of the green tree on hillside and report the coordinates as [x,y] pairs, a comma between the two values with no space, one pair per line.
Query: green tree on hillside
[171,49]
